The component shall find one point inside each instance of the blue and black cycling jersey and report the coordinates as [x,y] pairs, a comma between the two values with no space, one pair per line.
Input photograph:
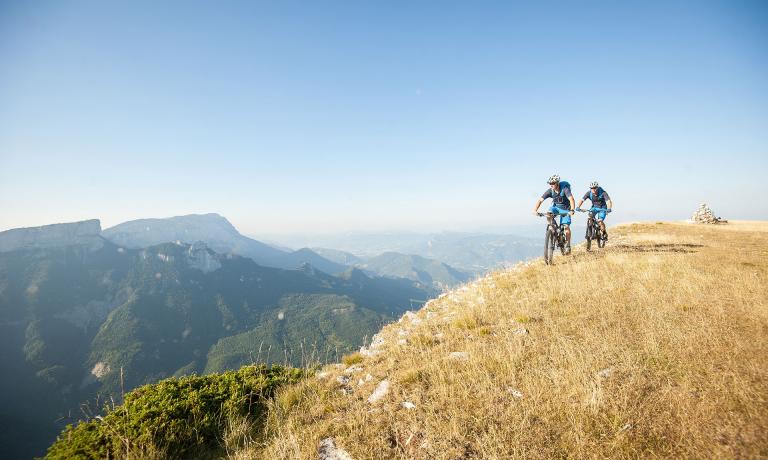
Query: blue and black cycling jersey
[598,199]
[559,199]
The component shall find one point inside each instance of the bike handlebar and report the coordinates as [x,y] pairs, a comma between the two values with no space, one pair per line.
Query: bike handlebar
[590,210]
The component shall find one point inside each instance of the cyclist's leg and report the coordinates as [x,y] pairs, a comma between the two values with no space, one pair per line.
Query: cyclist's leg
[565,221]
[601,219]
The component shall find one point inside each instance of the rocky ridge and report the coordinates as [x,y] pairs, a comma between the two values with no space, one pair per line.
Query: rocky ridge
[85,233]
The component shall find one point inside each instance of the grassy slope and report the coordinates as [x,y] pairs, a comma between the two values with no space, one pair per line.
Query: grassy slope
[674,315]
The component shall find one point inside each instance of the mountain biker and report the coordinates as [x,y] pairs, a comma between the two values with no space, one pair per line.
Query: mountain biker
[601,204]
[563,205]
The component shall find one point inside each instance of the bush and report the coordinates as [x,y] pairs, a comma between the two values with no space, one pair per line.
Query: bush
[179,417]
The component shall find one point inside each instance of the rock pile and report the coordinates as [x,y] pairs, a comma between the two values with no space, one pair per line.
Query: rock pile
[704,215]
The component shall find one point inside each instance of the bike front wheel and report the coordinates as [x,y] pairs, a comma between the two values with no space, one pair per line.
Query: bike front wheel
[549,246]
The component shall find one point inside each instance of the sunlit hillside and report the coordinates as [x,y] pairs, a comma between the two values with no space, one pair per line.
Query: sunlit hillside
[654,346]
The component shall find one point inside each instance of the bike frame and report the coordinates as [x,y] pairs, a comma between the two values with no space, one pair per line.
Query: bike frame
[593,228]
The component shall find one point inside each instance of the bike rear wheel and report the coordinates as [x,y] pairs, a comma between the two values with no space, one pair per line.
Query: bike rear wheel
[549,246]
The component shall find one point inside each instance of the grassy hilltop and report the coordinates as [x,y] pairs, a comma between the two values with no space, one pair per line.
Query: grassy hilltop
[654,346]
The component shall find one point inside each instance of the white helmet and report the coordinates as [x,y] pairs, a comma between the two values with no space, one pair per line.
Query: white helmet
[594,184]
[553,179]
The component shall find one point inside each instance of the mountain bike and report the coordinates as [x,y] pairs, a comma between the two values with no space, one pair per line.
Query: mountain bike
[555,236]
[593,228]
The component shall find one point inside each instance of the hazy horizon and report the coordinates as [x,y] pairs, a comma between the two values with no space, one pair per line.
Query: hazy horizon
[291,118]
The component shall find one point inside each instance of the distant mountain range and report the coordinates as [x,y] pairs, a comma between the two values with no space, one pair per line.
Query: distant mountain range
[427,272]
[219,234]
[86,313]
[472,253]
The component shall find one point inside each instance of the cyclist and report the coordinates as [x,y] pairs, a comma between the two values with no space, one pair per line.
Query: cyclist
[601,204]
[563,205]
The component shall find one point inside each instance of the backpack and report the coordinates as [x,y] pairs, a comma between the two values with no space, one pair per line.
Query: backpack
[564,184]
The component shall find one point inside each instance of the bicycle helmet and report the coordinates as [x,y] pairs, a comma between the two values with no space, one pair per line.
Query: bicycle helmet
[553,179]
[594,184]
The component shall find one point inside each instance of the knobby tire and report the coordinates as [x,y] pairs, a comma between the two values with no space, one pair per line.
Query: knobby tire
[548,246]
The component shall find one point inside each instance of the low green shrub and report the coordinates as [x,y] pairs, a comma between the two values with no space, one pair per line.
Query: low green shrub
[179,417]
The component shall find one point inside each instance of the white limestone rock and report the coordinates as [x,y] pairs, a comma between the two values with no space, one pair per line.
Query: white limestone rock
[329,451]
[381,390]
[202,258]
[605,373]
[459,355]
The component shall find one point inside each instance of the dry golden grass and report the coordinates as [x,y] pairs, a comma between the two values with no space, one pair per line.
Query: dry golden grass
[652,347]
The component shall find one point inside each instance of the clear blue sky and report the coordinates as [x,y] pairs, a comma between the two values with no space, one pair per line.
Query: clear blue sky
[325,116]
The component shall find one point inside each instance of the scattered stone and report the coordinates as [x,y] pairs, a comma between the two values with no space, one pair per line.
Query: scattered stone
[515,393]
[402,342]
[626,427]
[521,331]
[459,355]
[605,373]
[352,369]
[365,351]
[322,375]
[329,451]
[411,316]
[409,405]
[342,379]
[381,390]
[346,391]
[403,333]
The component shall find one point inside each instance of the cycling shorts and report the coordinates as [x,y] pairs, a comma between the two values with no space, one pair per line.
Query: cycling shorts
[599,213]
[565,217]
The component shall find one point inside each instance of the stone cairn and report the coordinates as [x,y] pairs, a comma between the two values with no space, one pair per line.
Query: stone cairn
[704,215]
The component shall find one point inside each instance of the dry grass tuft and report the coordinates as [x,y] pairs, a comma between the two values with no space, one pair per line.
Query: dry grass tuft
[353,358]
[652,347]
